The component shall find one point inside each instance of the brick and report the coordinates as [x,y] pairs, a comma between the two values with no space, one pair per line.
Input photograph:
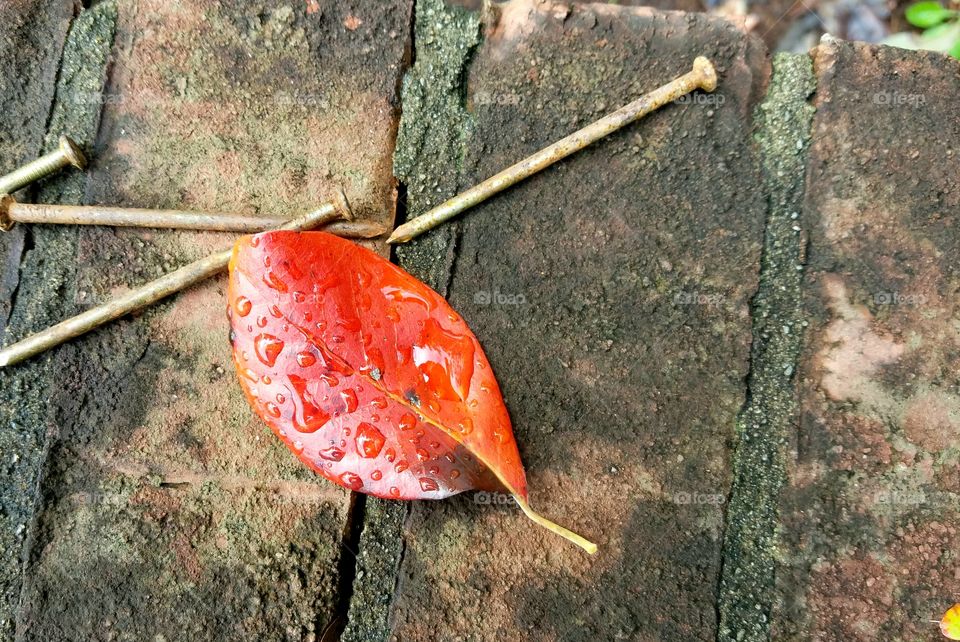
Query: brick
[611,295]
[869,535]
[31,38]
[168,509]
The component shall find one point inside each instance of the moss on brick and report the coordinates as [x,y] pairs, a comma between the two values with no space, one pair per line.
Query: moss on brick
[767,421]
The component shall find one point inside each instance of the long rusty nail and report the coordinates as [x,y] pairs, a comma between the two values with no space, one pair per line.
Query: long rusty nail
[702,76]
[13,212]
[67,153]
[153,291]
[356,229]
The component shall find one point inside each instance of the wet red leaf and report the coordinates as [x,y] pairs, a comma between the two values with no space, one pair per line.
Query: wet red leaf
[368,375]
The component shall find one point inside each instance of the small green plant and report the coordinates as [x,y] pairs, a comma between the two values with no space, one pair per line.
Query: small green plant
[941,29]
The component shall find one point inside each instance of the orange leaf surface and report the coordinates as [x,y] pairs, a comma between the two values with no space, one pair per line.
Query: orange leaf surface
[368,375]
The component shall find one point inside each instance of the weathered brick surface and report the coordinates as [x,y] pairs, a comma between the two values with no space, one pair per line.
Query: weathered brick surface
[168,510]
[611,295]
[870,520]
[666,5]
[31,37]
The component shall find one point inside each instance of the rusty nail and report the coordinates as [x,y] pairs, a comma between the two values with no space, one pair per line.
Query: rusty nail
[153,291]
[702,76]
[13,212]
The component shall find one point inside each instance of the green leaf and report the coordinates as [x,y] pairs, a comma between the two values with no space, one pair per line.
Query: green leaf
[955,50]
[940,38]
[927,14]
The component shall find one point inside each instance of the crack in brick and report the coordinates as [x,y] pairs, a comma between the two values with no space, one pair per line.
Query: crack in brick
[308,490]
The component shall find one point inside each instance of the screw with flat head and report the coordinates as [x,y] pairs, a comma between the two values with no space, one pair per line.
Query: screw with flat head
[67,153]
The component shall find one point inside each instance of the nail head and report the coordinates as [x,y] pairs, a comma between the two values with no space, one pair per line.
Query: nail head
[707,71]
[343,205]
[72,152]
[6,223]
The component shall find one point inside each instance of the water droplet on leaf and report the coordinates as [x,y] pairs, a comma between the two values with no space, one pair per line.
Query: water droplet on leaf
[351,481]
[369,440]
[349,399]
[332,453]
[243,306]
[268,348]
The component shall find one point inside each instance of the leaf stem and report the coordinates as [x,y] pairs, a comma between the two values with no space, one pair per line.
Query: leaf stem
[569,535]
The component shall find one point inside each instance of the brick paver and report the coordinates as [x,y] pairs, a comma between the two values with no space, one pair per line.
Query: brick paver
[168,510]
[642,304]
[611,294]
[869,521]
[32,33]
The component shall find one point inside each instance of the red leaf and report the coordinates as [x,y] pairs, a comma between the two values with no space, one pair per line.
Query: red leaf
[368,375]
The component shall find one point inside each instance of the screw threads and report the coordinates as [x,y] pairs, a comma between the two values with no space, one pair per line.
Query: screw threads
[68,153]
